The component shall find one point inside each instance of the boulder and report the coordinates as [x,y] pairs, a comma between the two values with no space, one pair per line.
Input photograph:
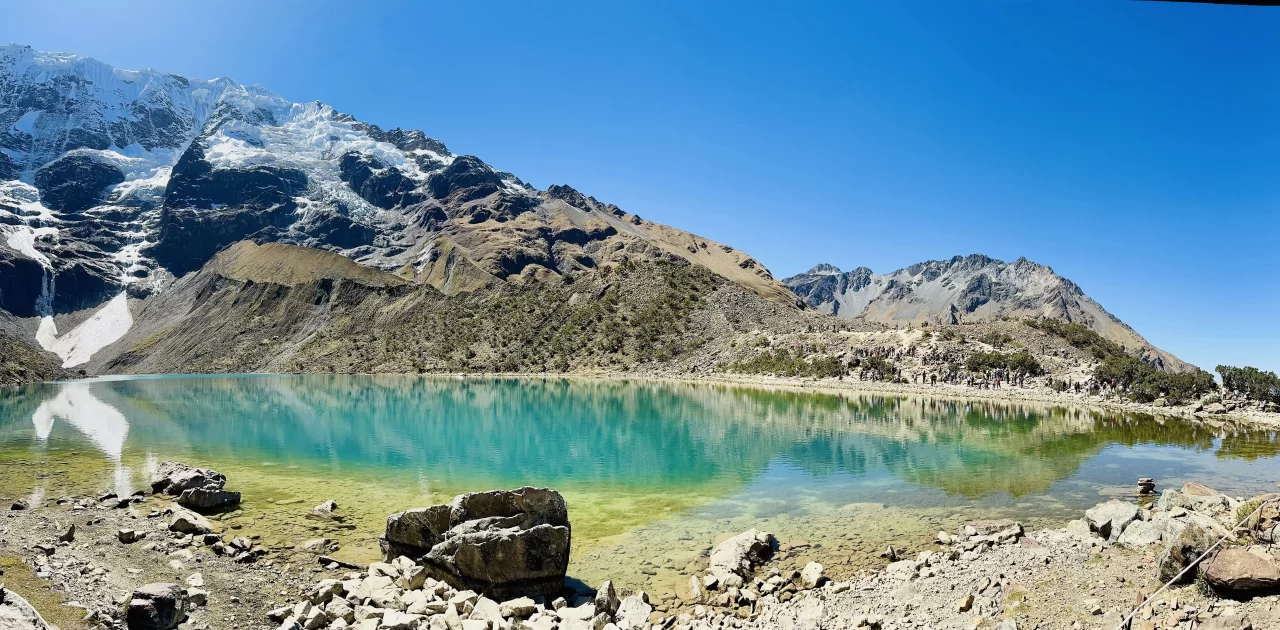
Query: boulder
[1182,550]
[811,576]
[1110,518]
[607,598]
[500,543]
[187,522]
[633,612]
[742,553]
[17,614]
[1239,573]
[173,478]
[208,500]
[1080,529]
[325,511]
[989,527]
[1140,534]
[129,536]
[157,607]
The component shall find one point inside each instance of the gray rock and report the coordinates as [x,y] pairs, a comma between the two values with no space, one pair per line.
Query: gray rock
[157,607]
[208,500]
[500,543]
[187,522]
[1080,529]
[325,511]
[68,535]
[17,614]
[811,576]
[740,554]
[174,477]
[130,536]
[607,598]
[633,612]
[1181,550]
[1140,534]
[1110,518]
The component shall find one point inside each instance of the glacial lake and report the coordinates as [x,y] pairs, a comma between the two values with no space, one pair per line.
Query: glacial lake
[654,472]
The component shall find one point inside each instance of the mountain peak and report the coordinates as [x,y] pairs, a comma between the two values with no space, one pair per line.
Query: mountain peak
[823,269]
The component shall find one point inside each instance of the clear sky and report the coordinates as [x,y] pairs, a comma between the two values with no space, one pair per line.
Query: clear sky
[1132,146]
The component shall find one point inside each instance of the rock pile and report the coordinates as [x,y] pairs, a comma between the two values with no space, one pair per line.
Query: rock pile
[501,543]
[198,489]
[1187,523]
[398,595]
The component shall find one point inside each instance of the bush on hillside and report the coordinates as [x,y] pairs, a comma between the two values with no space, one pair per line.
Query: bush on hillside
[783,362]
[1145,383]
[996,339]
[1252,382]
[1079,336]
[1020,362]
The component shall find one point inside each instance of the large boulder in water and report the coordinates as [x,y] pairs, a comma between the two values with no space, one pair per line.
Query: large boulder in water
[175,477]
[17,614]
[1240,573]
[741,554]
[499,543]
[199,489]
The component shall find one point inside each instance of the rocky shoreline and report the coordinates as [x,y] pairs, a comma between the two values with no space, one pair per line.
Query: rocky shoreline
[497,561]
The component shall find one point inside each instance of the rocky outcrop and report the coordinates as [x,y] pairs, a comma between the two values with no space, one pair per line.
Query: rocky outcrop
[76,183]
[160,606]
[500,543]
[198,489]
[741,554]
[967,289]
[1111,518]
[17,614]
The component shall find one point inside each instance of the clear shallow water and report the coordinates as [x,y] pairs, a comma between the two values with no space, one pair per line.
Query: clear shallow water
[654,472]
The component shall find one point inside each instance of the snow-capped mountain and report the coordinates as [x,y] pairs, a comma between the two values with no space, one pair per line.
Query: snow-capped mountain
[114,182]
[965,289]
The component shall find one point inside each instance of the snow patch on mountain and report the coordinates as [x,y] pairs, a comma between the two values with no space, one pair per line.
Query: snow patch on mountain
[103,328]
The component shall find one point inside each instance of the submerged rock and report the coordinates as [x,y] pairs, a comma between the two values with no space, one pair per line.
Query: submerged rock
[186,522]
[499,543]
[208,500]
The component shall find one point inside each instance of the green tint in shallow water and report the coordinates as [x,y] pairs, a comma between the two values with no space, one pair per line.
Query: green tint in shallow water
[653,472]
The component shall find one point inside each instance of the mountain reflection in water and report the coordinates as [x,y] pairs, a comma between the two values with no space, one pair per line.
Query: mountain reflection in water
[601,434]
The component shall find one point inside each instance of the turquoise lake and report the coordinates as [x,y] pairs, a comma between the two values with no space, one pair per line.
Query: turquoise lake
[654,472]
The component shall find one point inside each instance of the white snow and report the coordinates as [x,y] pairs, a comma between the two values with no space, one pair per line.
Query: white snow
[23,238]
[102,329]
[26,199]
[27,123]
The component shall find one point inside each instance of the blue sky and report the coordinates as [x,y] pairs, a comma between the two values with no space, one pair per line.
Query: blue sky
[1132,146]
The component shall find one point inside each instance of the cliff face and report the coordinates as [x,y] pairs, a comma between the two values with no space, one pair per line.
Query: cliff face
[966,289]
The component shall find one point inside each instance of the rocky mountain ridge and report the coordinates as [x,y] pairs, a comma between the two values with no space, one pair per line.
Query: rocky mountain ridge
[114,183]
[966,289]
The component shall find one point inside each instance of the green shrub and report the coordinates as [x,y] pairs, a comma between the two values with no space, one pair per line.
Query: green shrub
[1254,383]
[1079,336]
[1145,383]
[783,362]
[1021,362]
[996,338]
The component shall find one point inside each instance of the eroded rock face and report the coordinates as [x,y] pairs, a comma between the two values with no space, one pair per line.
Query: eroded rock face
[742,553]
[500,543]
[76,183]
